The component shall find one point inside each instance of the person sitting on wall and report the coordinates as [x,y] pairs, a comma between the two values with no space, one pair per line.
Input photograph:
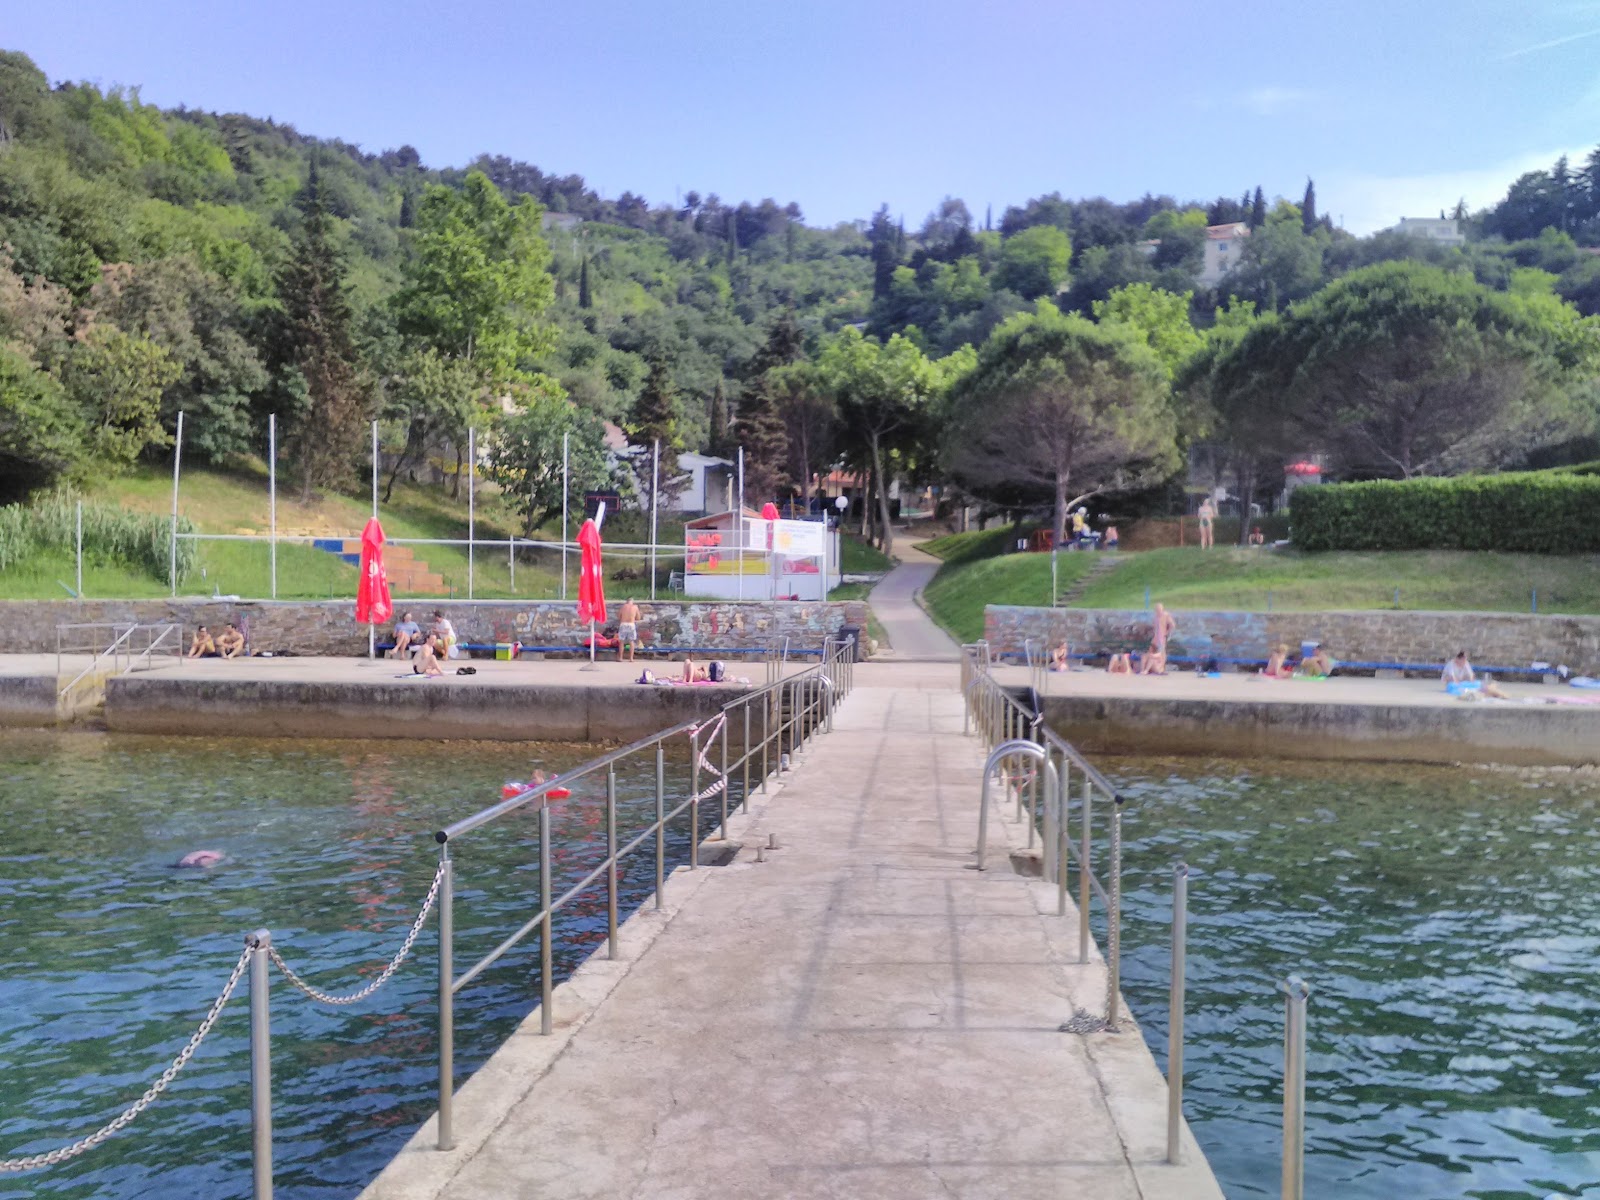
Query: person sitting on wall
[1278,663]
[406,636]
[203,645]
[445,633]
[1256,536]
[1319,666]
[1120,664]
[1457,670]
[693,673]
[1061,658]
[230,642]
[1154,662]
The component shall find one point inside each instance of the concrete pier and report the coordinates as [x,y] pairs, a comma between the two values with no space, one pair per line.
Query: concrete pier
[861,1014]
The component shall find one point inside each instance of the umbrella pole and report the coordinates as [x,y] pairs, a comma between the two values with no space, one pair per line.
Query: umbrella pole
[372,641]
[591,666]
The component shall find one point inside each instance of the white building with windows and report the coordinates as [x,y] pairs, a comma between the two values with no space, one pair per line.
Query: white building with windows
[1442,231]
[1223,249]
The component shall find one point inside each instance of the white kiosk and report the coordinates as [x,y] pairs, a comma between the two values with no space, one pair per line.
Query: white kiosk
[739,556]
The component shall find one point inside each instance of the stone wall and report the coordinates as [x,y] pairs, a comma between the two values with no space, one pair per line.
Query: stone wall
[1490,639]
[329,628]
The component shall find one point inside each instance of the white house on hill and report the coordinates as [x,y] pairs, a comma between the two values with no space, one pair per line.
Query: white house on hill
[1223,249]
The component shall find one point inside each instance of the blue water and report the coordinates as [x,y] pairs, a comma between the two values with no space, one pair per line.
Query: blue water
[1447,922]
[112,956]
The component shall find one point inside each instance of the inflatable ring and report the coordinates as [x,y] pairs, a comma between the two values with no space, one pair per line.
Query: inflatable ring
[513,788]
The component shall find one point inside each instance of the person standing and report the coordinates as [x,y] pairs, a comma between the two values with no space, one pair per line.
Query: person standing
[1161,629]
[627,629]
[1207,514]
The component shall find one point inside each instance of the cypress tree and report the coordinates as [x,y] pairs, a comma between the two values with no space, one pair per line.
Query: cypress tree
[1258,210]
[408,209]
[885,258]
[717,439]
[1308,208]
[316,343]
[585,299]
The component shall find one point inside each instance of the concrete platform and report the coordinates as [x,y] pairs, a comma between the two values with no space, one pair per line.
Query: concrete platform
[1403,720]
[862,1015]
[30,687]
[382,698]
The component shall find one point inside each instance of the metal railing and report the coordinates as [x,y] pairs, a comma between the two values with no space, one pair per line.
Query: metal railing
[1006,723]
[117,647]
[792,710]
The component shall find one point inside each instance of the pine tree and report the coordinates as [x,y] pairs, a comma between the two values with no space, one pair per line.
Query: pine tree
[655,419]
[785,344]
[585,298]
[315,342]
[1308,208]
[885,258]
[1258,210]
[761,432]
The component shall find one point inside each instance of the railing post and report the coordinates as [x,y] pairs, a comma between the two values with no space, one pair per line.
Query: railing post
[1085,868]
[1114,919]
[661,825]
[744,791]
[260,1068]
[546,956]
[611,859]
[447,998]
[1062,801]
[694,800]
[1295,992]
[1180,925]
[727,784]
[766,737]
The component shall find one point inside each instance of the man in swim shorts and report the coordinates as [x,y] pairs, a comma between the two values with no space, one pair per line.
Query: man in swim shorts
[203,646]
[627,629]
[230,642]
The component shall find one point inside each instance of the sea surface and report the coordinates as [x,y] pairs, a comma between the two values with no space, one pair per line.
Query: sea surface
[111,956]
[1448,922]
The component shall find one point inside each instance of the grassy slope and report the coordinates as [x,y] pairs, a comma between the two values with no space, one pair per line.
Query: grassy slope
[977,572]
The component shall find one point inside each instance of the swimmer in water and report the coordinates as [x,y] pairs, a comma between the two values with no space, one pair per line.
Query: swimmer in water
[201,859]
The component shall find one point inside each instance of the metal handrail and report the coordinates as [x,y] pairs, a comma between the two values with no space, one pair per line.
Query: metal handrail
[1005,723]
[793,709]
[120,652]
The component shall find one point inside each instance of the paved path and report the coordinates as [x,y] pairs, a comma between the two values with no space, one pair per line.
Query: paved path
[912,634]
[862,1015]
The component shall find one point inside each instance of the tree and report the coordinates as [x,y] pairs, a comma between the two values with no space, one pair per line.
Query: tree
[759,430]
[657,419]
[882,391]
[1060,406]
[317,343]
[1034,263]
[1280,262]
[585,299]
[525,452]
[884,243]
[810,418]
[430,397]
[1402,369]
[117,381]
[719,440]
[1579,286]
[478,280]
[42,432]
[1308,209]
[1258,210]
[1159,319]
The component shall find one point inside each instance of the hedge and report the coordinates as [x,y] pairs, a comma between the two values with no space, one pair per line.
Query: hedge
[1535,512]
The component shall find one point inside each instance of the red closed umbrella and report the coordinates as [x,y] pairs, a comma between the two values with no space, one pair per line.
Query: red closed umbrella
[769,514]
[591,583]
[373,603]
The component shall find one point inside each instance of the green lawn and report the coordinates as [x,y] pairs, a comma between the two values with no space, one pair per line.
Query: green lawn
[976,544]
[1254,580]
[960,590]
[861,557]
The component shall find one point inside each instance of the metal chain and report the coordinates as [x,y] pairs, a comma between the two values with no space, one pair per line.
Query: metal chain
[61,1155]
[388,971]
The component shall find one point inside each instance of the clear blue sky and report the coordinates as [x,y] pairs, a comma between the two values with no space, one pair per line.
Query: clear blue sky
[1396,107]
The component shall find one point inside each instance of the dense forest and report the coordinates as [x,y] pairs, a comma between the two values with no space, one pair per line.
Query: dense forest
[229,267]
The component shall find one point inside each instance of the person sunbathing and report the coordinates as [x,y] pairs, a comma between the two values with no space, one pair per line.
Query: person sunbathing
[693,673]
[1154,662]
[1061,658]
[427,661]
[203,645]
[1120,664]
[1278,663]
[1319,666]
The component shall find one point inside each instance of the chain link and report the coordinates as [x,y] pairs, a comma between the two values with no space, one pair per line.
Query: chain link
[388,971]
[63,1153]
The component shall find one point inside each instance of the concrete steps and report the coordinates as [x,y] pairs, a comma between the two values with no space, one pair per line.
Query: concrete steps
[1104,563]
